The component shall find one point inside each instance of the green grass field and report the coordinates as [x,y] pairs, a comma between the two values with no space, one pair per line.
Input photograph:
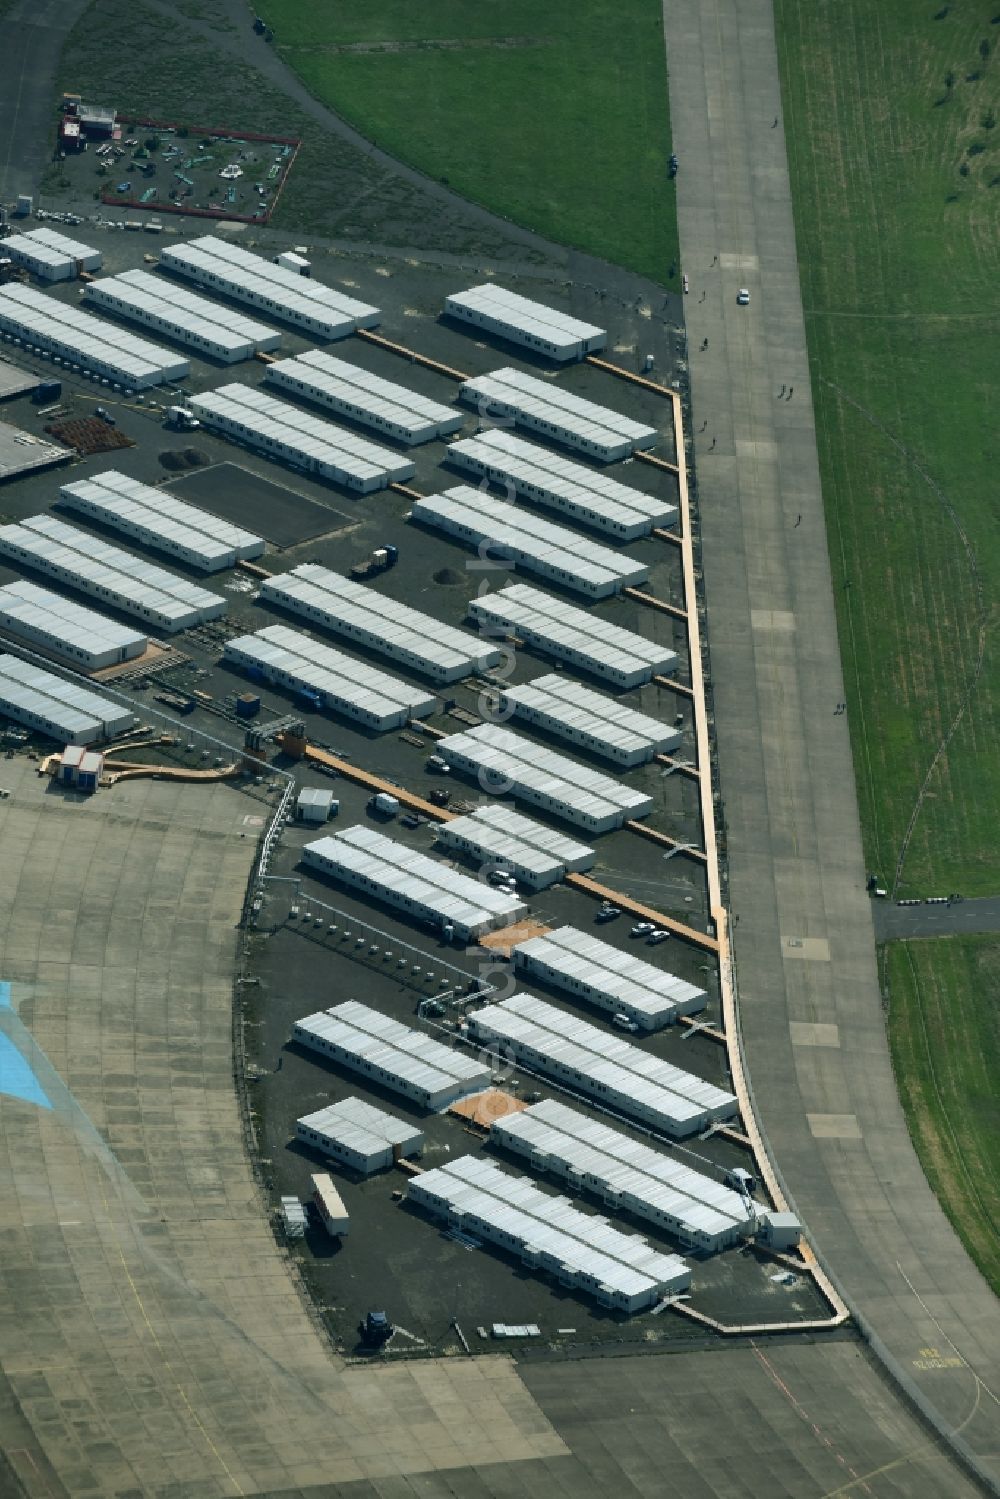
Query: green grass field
[553,115]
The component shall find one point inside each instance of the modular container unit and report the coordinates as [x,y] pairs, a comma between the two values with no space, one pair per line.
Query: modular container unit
[566,708]
[63,710]
[337,682]
[84,343]
[329,1206]
[422,887]
[535,855]
[80,635]
[546,1233]
[119,578]
[538,775]
[51,256]
[380,623]
[607,977]
[314,805]
[392,1055]
[598,1063]
[548,478]
[523,321]
[542,406]
[209,327]
[357,393]
[359,1136]
[537,545]
[156,517]
[279,430]
[626,1174]
[218,265]
[560,629]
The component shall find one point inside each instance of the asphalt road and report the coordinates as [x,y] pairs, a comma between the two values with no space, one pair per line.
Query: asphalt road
[891,920]
[810,1005]
[32,32]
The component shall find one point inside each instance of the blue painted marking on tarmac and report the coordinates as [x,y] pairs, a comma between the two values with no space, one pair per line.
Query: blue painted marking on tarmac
[17,1077]
[4,995]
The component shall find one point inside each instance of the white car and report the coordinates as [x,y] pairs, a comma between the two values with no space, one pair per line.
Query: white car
[624,1023]
[660,935]
[743,297]
[642,929]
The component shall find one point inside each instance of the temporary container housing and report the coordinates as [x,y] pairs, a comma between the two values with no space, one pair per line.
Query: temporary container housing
[315,805]
[501,838]
[564,707]
[359,1136]
[354,392]
[84,343]
[211,328]
[522,321]
[64,710]
[79,635]
[51,256]
[543,406]
[392,1055]
[539,546]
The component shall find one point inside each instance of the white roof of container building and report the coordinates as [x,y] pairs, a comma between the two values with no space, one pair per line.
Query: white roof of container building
[91,336]
[527,463]
[62,243]
[324,374]
[524,314]
[239,267]
[525,830]
[169,297]
[568,702]
[325,669]
[534,542]
[156,508]
[579,955]
[328,1025]
[485,839]
[576,628]
[65,619]
[59,691]
[559,406]
[360,1125]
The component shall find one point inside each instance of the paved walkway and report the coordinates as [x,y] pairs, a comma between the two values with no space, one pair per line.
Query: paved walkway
[810,1002]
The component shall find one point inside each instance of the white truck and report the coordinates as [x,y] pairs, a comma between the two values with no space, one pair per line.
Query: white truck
[329,1206]
[180,419]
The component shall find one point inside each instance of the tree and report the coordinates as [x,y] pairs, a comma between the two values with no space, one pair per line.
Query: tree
[949,79]
[984,50]
[152,142]
[989,119]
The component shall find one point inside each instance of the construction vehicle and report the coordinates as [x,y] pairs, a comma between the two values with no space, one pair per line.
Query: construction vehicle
[375,1331]
[380,561]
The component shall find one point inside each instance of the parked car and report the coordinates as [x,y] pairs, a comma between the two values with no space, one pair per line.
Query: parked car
[642,929]
[743,297]
[624,1023]
[608,913]
[660,934]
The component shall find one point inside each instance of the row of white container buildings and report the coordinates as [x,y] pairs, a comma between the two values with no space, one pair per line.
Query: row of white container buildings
[581,1251]
[63,628]
[211,328]
[413,883]
[586,968]
[501,838]
[277,429]
[51,256]
[359,1136]
[583,494]
[521,320]
[354,392]
[119,578]
[157,518]
[379,623]
[85,344]
[63,710]
[508,763]
[625,1174]
[557,628]
[221,266]
[544,407]
[329,678]
[392,1055]
[479,519]
[564,707]
[596,1062]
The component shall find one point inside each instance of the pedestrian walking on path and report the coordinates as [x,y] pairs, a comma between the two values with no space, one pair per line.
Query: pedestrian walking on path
[798,522]
[789,395]
[781,392]
[713,444]
[704,343]
[775,125]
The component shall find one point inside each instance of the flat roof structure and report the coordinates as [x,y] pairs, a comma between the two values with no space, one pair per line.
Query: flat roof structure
[563,706]
[560,629]
[524,321]
[359,1135]
[15,381]
[50,255]
[158,518]
[329,678]
[24,453]
[412,882]
[536,774]
[380,623]
[625,1173]
[280,430]
[536,855]
[548,478]
[219,265]
[83,342]
[543,406]
[61,709]
[117,577]
[599,1063]
[584,967]
[548,1233]
[410,1062]
[210,327]
[56,624]
[354,392]
[539,546]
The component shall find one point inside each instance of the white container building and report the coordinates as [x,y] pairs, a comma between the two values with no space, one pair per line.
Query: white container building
[596,1062]
[537,856]
[356,393]
[279,430]
[51,256]
[614,980]
[522,321]
[316,806]
[557,628]
[379,623]
[63,710]
[392,1055]
[84,344]
[535,774]
[580,1250]
[536,545]
[358,1135]
[332,680]
[81,636]
[218,265]
[625,1174]
[550,479]
[563,706]
[119,578]
[420,886]
[211,328]
[544,407]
